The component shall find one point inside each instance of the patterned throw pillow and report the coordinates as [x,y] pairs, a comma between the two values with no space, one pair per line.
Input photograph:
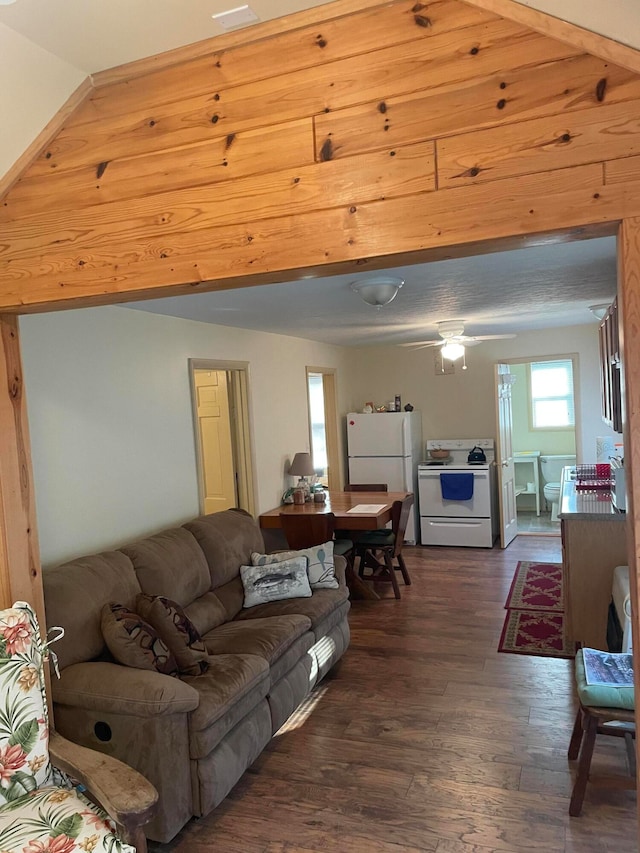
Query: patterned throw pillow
[274,582]
[176,630]
[321,565]
[133,642]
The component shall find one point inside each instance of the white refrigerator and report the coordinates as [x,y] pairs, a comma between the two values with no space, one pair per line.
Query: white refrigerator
[386,447]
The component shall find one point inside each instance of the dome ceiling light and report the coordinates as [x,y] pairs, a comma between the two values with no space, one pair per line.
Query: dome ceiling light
[377,291]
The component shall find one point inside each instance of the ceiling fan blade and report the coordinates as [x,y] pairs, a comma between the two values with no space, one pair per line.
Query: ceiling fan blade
[422,344]
[493,337]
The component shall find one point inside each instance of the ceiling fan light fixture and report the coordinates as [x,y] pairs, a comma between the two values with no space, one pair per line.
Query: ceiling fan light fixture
[377,291]
[452,351]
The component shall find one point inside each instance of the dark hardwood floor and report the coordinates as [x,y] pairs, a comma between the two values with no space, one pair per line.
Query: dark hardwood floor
[427,739]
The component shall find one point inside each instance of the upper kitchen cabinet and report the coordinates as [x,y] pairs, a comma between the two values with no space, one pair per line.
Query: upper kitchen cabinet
[610,368]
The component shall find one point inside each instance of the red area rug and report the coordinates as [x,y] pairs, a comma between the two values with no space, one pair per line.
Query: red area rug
[534,620]
[536,586]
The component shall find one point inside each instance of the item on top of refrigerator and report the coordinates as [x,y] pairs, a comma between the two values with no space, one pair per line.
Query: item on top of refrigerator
[367,409]
[408,407]
[398,403]
[391,406]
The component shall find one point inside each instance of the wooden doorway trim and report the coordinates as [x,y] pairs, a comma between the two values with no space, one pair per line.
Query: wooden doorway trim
[20,573]
[549,25]
[238,385]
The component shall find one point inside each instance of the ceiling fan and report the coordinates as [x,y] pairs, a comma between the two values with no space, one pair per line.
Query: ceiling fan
[454,340]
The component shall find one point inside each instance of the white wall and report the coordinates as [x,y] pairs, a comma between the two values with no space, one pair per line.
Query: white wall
[111,425]
[35,85]
[617,19]
[462,405]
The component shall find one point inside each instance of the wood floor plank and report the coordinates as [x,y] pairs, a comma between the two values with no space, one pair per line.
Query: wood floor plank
[426,739]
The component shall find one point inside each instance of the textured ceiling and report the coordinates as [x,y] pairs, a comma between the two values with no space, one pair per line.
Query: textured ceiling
[502,293]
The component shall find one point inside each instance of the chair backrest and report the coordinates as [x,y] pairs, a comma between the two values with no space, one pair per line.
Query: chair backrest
[304,531]
[24,723]
[366,487]
[400,512]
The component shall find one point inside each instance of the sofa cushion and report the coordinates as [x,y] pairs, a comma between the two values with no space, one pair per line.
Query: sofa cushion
[227,539]
[274,582]
[270,639]
[320,563]
[170,563]
[108,688]
[75,594]
[176,630]
[318,608]
[133,642]
[230,689]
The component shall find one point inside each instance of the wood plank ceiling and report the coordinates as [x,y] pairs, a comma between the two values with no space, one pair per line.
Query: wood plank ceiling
[396,129]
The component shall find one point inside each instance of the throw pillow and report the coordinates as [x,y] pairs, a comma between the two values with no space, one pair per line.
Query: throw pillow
[274,582]
[321,565]
[133,642]
[176,630]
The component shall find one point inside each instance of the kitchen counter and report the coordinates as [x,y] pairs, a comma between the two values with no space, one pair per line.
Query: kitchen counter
[578,504]
[593,543]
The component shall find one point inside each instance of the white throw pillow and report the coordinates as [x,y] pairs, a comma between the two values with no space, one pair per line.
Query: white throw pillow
[321,564]
[273,582]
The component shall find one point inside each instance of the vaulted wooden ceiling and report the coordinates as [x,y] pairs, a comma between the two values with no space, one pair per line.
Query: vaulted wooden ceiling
[387,132]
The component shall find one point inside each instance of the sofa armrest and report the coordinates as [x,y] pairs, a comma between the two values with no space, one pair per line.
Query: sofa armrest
[103,686]
[127,797]
[341,569]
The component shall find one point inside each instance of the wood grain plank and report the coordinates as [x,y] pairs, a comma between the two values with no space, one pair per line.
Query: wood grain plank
[629,328]
[441,59]
[305,47]
[542,22]
[540,144]
[622,171]
[388,174]
[253,152]
[513,95]
[384,228]
[20,575]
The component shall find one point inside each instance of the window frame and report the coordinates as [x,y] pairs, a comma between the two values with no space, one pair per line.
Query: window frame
[568,361]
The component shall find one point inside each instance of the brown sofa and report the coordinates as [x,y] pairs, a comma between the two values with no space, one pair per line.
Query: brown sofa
[194,736]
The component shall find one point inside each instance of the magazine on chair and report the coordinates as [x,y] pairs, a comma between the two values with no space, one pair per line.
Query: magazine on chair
[608,669]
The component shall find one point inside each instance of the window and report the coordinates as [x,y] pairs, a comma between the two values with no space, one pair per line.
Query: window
[551,385]
[318,432]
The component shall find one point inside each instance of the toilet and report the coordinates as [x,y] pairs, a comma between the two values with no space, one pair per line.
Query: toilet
[551,471]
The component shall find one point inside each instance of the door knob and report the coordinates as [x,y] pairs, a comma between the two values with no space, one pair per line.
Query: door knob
[505,464]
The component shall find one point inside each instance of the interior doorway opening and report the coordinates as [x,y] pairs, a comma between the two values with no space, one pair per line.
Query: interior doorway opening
[545,426]
[220,406]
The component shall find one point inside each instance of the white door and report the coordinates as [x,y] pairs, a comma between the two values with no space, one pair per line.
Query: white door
[504,456]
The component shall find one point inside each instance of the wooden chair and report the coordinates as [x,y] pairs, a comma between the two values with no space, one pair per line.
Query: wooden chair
[593,720]
[366,487]
[304,531]
[388,545]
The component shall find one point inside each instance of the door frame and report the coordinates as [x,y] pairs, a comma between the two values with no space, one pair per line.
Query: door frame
[577,397]
[241,430]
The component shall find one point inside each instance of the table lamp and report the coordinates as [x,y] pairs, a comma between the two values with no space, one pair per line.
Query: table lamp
[302,466]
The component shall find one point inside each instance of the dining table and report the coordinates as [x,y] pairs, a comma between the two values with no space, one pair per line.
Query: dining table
[352,511]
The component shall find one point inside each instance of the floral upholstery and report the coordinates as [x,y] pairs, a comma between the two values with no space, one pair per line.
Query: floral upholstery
[37,815]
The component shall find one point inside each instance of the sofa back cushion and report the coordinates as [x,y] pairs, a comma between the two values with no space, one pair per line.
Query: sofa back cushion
[227,539]
[75,594]
[171,563]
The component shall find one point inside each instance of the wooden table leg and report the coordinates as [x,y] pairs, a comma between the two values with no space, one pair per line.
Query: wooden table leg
[359,590]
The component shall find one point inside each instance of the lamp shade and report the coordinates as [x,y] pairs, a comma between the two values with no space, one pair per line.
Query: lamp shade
[302,465]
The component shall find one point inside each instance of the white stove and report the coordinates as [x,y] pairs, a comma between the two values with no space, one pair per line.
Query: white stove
[459,507]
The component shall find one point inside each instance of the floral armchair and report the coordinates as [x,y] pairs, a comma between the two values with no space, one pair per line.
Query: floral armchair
[41,810]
